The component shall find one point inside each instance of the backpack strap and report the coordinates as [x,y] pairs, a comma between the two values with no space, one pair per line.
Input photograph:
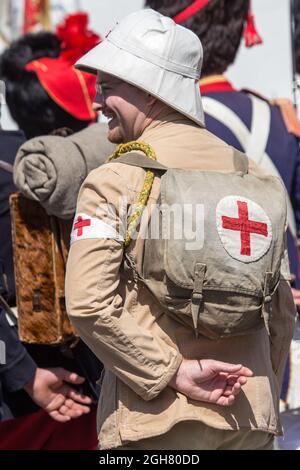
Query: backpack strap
[267,298]
[10,316]
[197,295]
[150,159]
[140,160]
[240,162]
[6,166]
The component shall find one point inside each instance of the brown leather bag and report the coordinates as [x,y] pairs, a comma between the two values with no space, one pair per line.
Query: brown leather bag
[40,245]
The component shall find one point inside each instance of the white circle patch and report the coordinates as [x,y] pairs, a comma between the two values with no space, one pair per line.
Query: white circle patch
[244,228]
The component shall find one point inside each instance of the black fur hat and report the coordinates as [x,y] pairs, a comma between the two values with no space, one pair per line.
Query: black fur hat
[28,102]
[219,25]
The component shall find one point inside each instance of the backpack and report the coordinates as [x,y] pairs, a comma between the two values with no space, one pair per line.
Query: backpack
[222,283]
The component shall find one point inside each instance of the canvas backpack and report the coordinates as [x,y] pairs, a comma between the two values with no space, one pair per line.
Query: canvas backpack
[222,282]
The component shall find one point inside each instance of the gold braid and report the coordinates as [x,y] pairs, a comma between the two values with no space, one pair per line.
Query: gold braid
[146,189]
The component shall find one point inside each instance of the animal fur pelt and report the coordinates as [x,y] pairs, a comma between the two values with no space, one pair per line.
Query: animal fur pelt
[40,249]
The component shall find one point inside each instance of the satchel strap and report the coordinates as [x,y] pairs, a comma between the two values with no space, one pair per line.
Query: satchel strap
[241,162]
[139,160]
[197,295]
[6,166]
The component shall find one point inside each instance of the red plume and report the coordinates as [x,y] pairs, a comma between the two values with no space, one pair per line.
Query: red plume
[251,36]
[71,89]
[76,39]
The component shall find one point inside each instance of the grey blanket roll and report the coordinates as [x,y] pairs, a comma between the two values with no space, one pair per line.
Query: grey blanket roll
[51,169]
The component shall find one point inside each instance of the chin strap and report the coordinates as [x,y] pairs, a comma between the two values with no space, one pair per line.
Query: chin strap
[251,36]
[190,11]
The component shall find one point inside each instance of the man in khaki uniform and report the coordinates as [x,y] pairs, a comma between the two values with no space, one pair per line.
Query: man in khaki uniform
[163,388]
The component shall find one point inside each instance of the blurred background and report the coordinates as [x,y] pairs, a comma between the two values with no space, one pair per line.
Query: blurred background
[268,68]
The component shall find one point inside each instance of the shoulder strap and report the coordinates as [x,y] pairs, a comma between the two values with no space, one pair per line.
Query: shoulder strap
[241,162]
[228,118]
[6,166]
[254,142]
[289,115]
[10,316]
[260,128]
[139,160]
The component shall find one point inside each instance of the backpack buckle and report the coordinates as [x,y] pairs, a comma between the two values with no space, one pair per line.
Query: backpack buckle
[197,295]
[267,298]
[130,267]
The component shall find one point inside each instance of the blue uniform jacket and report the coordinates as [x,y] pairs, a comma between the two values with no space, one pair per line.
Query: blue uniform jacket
[16,365]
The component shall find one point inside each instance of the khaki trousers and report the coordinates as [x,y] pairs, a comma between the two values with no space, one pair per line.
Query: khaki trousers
[194,435]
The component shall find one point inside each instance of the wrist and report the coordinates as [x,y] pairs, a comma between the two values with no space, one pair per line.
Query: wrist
[176,377]
[29,386]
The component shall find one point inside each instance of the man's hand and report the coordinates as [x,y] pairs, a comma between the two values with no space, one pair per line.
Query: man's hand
[49,390]
[210,381]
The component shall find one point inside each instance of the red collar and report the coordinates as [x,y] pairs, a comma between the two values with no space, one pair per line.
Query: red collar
[215,83]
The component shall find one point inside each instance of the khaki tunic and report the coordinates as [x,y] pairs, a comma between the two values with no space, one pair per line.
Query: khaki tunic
[141,346]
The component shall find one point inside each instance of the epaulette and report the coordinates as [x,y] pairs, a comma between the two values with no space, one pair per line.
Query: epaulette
[289,115]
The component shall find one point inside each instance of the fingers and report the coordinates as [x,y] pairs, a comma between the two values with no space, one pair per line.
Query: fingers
[242,380]
[71,404]
[57,416]
[229,395]
[219,366]
[232,389]
[68,376]
[73,409]
[232,379]
[68,410]
[245,371]
[57,400]
[78,397]
[234,385]
[226,401]
[226,367]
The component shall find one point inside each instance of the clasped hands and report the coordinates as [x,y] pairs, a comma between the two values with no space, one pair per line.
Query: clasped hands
[210,381]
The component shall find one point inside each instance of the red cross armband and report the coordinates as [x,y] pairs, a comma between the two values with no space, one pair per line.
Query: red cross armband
[86,227]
